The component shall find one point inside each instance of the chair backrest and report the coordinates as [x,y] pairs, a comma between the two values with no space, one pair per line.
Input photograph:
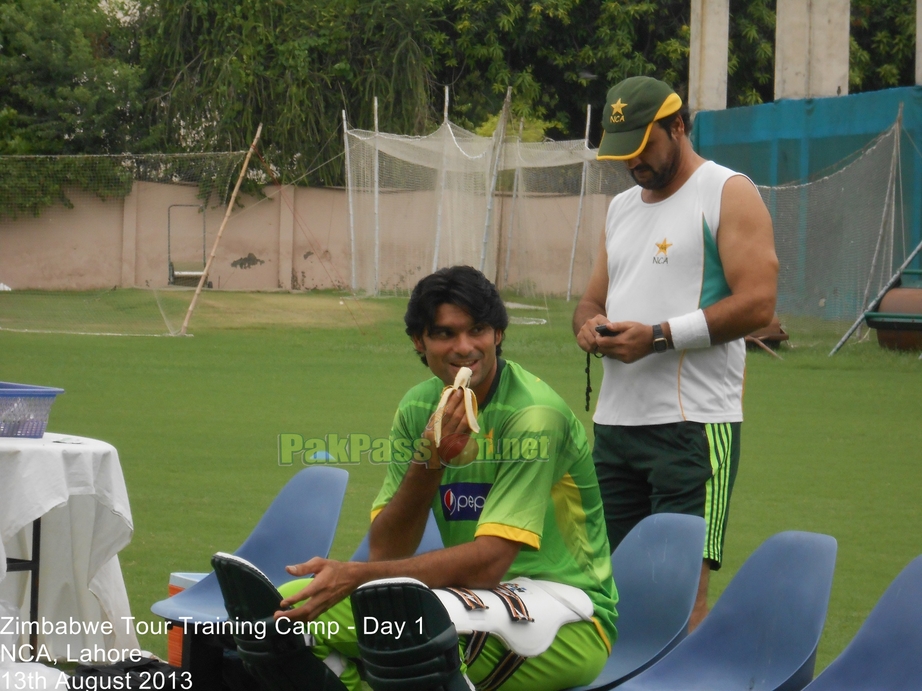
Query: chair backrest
[431,540]
[656,567]
[763,631]
[299,524]
[886,653]
[425,657]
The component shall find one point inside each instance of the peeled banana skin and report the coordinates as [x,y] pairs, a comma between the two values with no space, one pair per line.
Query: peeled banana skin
[462,381]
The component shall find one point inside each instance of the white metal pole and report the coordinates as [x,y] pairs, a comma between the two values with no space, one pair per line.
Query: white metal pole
[377,223]
[898,183]
[443,174]
[579,211]
[515,196]
[891,201]
[499,137]
[349,198]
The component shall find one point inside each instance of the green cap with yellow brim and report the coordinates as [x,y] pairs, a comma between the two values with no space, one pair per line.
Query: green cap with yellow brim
[632,107]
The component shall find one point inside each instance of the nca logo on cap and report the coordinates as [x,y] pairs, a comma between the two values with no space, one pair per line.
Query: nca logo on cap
[464,501]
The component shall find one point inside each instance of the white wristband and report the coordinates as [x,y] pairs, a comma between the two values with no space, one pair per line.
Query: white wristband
[690,331]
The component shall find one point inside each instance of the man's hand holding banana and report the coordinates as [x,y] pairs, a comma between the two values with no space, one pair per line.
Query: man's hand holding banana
[449,429]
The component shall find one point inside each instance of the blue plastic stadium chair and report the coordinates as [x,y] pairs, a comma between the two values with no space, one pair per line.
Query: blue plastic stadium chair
[763,631]
[657,567]
[299,524]
[431,540]
[886,653]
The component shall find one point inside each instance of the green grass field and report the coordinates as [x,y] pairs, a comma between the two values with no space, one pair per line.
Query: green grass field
[832,445]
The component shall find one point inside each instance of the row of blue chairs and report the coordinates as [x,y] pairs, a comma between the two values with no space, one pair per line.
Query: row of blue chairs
[761,635]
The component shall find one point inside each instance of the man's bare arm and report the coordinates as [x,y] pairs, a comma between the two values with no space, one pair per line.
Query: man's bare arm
[397,531]
[746,246]
[478,564]
[745,241]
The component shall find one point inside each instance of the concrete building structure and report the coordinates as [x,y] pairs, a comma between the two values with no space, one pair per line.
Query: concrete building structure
[811,48]
[918,42]
[295,238]
[707,60]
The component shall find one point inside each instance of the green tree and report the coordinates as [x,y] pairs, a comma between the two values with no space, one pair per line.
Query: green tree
[558,55]
[67,86]
[199,75]
[66,81]
[219,67]
[751,54]
[883,44]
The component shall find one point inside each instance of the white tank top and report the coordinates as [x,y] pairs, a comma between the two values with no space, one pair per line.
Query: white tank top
[663,263]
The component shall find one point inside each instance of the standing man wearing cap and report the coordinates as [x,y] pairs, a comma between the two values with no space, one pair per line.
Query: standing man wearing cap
[686,268]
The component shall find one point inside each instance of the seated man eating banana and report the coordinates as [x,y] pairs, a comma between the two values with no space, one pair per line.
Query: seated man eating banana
[505,465]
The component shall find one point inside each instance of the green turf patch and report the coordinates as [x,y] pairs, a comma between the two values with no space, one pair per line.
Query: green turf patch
[829,444]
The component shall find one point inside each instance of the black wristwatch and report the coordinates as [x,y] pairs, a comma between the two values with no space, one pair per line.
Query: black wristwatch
[660,344]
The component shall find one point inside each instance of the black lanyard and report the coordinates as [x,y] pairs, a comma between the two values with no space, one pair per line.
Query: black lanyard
[588,380]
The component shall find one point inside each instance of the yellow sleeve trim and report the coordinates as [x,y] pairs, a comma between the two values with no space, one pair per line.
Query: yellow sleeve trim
[598,627]
[508,532]
[375,512]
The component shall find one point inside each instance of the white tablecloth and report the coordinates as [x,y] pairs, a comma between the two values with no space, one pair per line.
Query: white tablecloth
[76,486]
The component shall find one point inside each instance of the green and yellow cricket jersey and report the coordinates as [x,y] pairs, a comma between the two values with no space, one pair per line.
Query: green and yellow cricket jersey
[533,482]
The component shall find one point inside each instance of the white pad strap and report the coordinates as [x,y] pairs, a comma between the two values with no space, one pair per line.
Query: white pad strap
[690,331]
[550,605]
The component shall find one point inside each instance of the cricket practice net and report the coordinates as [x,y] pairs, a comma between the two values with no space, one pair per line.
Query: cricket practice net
[838,238]
[530,215]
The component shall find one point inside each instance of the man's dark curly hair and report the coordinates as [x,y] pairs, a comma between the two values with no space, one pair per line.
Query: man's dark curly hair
[462,286]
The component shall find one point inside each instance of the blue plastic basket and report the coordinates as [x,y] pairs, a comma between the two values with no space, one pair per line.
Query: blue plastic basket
[24,409]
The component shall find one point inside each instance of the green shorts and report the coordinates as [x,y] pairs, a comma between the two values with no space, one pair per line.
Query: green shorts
[575,658]
[682,467]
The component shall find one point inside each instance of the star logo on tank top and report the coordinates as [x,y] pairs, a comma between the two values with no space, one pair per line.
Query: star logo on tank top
[662,252]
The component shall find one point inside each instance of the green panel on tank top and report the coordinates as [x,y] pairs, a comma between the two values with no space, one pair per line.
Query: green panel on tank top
[713,286]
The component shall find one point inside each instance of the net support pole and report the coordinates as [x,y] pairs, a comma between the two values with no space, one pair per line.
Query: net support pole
[515,197]
[891,203]
[349,200]
[377,218]
[500,136]
[579,209]
[217,240]
[443,174]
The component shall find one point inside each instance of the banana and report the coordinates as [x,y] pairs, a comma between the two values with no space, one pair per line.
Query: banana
[462,380]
